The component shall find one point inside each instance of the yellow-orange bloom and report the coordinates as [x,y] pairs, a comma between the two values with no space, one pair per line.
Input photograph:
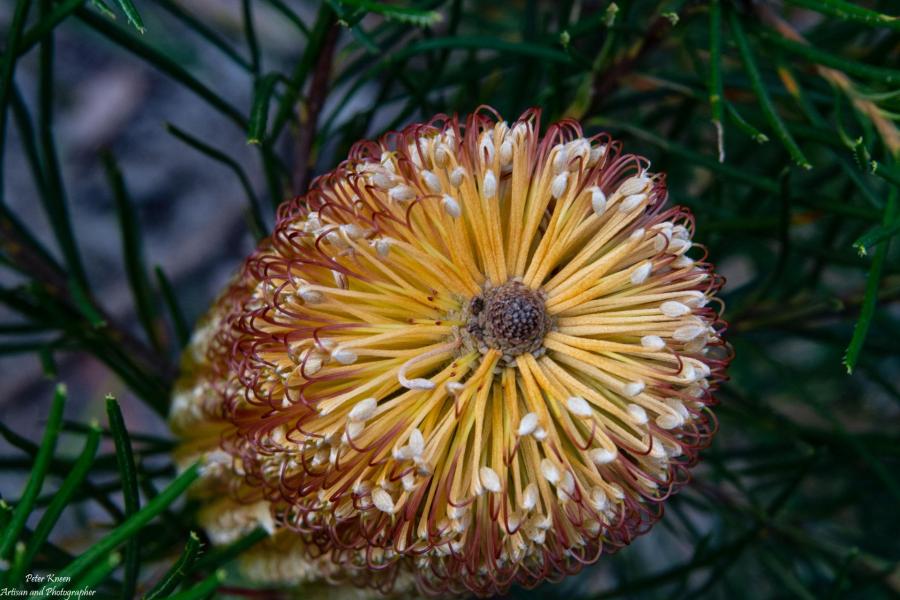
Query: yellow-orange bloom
[472,355]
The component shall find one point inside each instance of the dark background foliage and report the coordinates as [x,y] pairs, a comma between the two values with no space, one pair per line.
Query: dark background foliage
[146,143]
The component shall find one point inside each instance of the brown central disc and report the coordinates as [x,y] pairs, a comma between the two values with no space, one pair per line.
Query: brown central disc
[511,318]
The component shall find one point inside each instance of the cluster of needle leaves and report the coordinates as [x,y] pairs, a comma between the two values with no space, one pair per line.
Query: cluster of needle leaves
[776,122]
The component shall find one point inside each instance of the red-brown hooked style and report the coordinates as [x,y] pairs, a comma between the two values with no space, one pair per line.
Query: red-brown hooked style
[470,357]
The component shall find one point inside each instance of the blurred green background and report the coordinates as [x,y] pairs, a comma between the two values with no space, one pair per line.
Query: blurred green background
[147,142]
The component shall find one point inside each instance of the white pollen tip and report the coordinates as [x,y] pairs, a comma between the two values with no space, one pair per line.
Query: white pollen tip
[417,384]
[431,181]
[383,247]
[634,388]
[402,193]
[489,187]
[673,309]
[363,410]
[578,406]
[416,442]
[686,333]
[669,421]
[550,471]
[561,158]
[629,203]
[489,479]
[340,279]
[382,500]
[530,497]
[344,356]
[653,342]
[598,200]
[637,413]
[540,434]
[354,428]
[453,387]
[617,492]
[456,176]
[640,274]
[634,185]
[527,425]
[683,261]
[442,156]
[382,180]
[598,499]
[506,153]
[310,296]
[352,231]
[558,185]
[679,246]
[451,206]
[486,149]
[602,456]
[637,235]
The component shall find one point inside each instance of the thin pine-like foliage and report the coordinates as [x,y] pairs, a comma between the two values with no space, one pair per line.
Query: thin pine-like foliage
[776,123]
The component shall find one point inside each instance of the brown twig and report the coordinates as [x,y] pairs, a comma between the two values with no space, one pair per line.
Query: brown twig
[318,91]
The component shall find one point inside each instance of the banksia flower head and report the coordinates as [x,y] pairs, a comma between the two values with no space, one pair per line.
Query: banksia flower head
[471,356]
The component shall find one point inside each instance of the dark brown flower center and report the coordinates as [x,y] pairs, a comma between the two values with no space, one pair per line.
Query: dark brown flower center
[510,318]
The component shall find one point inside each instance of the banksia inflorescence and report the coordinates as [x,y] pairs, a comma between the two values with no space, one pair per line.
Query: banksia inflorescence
[471,356]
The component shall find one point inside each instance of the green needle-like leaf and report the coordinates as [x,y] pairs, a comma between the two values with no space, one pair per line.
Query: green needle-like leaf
[873,283]
[708,162]
[42,459]
[806,458]
[164,63]
[259,112]
[98,573]
[169,582]
[755,134]
[55,204]
[401,14]
[204,589]
[257,224]
[131,13]
[875,237]
[250,36]
[133,251]
[815,55]
[7,66]
[850,12]
[179,323]
[762,95]
[222,556]
[325,19]
[61,499]
[132,524]
[205,32]
[125,461]
[103,9]
[290,15]
[46,23]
